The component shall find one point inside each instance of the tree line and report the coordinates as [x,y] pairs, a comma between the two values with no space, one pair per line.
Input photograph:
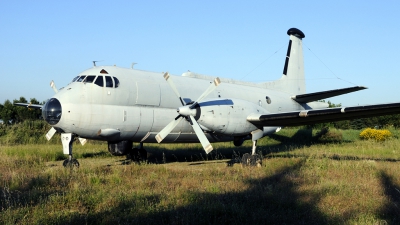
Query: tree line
[11,114]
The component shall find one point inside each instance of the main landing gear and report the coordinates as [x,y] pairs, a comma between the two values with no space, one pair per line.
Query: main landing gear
[67,140]
[137,154]
[253,159]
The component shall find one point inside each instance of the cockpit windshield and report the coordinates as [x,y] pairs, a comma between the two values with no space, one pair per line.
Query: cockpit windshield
[116,82]
[80,79]
[89,79]
[100,80]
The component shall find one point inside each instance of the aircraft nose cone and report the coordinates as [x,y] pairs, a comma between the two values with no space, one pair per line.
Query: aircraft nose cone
[51,111]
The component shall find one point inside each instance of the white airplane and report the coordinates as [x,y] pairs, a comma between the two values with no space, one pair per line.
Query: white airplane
[123,106]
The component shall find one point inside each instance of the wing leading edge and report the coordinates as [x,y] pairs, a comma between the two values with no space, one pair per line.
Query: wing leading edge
[29,105]
[306,117]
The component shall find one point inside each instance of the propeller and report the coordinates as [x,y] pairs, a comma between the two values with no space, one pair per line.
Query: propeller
[53,85]
[50,133]
[188,112]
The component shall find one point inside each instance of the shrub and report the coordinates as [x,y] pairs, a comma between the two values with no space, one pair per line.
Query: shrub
[378,135]
[327,135]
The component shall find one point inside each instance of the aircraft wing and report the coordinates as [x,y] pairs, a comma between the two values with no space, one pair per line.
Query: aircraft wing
[29,105]
[305,117]
[310,97]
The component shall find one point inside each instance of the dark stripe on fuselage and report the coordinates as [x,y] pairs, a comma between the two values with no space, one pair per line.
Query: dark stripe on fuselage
[216,102]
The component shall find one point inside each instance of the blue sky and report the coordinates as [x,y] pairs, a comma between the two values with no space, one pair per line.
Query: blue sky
[347,43]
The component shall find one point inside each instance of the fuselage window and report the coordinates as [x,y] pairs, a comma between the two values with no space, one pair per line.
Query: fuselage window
[116,82]
[80,79]
[268,99]
[99,81]
[76,78]
[109,82]
[90,79]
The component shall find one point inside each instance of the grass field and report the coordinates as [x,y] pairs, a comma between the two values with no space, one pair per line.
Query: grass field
[336,179]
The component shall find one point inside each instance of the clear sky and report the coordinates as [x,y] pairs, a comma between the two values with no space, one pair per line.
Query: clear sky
[347,43]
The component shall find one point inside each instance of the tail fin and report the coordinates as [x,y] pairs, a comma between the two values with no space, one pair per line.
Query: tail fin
[292,80]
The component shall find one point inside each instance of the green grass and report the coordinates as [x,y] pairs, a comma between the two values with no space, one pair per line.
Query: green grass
[336,179]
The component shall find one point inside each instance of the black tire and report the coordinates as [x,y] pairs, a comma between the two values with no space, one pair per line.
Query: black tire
[246,159]
[71,163]
[251,160]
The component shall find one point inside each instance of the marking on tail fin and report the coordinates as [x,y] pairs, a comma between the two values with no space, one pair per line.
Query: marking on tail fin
[287,57]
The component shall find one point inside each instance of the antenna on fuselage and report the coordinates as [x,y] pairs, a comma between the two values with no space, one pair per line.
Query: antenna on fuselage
[133,65]
[94,62]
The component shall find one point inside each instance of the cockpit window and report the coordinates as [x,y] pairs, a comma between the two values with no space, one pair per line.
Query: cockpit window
[80,79]
[89,79]
[109,82]
[116,82]
[99,81]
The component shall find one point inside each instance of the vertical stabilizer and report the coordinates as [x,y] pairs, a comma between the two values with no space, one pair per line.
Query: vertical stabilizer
[292,80]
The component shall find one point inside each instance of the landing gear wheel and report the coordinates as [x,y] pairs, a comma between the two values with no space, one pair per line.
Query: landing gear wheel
[251,160]
[71,163]
[246,159]
[137,154]
[143,154]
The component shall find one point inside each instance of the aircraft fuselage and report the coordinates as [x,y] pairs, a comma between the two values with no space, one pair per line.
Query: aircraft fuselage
[143,104]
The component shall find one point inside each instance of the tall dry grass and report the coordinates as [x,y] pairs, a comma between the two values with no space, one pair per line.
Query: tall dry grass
[302,181]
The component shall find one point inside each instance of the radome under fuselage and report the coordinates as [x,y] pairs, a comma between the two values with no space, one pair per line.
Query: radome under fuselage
[143,104]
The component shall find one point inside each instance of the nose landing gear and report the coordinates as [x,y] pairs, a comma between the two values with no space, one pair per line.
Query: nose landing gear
[67,140]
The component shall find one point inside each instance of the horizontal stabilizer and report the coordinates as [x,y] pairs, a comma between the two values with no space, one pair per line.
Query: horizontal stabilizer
[306,117]
[310,97]
[29,105]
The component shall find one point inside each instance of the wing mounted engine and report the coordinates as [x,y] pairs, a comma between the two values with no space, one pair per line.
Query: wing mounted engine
[227,116]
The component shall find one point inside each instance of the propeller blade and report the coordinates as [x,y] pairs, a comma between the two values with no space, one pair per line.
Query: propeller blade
[50,133]
[82,141]
[210,89]
[185,112]
[164,132]
[53,85]
[167,77]
[200,134]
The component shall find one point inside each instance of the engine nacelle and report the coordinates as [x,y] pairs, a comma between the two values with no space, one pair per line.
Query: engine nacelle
[119,148]
[227,116]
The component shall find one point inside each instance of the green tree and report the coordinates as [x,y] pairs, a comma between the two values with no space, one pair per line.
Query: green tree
[7,113]
[333,105]
[1,109]
[24,113]
[358,124]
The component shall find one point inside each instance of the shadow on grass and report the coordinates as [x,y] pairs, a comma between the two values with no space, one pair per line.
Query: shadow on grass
[270,200]
[30,194]
[97,154]
[300,139]
[391,211]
